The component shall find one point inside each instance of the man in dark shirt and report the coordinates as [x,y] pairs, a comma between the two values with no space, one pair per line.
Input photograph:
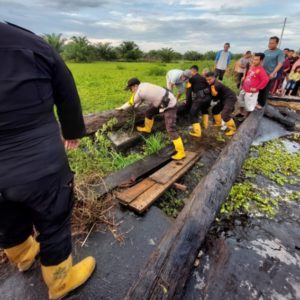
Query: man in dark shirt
[226,100]
[36,184]
[199,96]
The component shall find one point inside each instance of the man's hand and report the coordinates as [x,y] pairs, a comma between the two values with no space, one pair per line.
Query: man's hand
[71,144]
[253,90]
[124,106]
[272,75]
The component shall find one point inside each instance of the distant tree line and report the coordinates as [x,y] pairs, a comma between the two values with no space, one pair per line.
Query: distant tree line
[80,49]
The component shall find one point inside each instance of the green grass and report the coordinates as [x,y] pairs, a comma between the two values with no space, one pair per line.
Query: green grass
[101,84]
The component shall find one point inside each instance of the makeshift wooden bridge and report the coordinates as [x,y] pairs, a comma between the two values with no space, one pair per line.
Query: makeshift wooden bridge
[140,196]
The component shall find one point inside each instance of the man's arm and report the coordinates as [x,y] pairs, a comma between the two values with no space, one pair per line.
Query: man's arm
[279,65]
[67,101]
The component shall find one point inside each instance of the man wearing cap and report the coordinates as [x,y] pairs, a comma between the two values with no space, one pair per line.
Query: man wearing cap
[177,78]
[160,100]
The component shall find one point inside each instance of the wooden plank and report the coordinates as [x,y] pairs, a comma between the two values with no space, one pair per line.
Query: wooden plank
[128,195]
[165,174]
[141,168]
[142,202]
[291,105]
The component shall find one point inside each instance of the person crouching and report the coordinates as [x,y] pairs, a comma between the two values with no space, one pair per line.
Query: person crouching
[159,100]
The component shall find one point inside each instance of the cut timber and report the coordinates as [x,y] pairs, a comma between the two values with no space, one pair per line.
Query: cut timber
[166,173]
[141,168]
[169,266]
[180,187]
[290,105]
[146,199]
[285,98]
[122,140]
[127,196]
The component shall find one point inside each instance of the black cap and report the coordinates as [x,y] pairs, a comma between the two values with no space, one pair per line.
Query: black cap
[131,82]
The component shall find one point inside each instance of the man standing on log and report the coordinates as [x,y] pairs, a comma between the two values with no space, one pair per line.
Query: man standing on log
[36,183]
[160,100]
[200,98]
[274,58]
[177,78]
[226,100]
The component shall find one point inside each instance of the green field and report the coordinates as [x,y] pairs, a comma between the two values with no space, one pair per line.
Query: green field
[101,85]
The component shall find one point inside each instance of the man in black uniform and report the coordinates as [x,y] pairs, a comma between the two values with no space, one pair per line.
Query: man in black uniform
[226,101]
[35,179]
[199,97]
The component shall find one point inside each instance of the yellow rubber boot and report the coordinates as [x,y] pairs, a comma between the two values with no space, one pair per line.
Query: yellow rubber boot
[231,126]
[178,144]
[205,121]
[196,130]
[218,120]
[64,278]
[23,255]
[147,127]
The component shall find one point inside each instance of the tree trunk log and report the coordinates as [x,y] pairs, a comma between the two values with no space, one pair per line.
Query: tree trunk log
[95,121]
[169,266]
[273,113]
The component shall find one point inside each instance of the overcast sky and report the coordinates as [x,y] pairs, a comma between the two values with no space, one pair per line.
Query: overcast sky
[183,25]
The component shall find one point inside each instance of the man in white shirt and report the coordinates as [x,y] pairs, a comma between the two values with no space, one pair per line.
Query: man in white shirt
[222,61]
[177,78]
[159,100]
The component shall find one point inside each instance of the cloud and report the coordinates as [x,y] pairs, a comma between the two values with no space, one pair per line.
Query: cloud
[200,25]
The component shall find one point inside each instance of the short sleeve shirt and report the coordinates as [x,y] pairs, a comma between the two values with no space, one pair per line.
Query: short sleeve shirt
[272,59]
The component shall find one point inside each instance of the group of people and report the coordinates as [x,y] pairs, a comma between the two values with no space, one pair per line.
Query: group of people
[287,78]
[36,183]
[255,75]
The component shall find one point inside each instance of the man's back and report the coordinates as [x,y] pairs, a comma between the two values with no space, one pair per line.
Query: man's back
[30,79]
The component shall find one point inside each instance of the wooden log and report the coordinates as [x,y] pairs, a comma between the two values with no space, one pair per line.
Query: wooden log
[289,113]
[273,113]
[169,266]
[291,105]
[133,172]
[94,122]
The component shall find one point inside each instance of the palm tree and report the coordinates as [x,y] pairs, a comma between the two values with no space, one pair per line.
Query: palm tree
[55,40]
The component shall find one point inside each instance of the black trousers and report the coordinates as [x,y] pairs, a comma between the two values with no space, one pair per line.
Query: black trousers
[264,93]
[45,204]
[296,88]
[238,79]
[219,74]
[225,108]
[199,105]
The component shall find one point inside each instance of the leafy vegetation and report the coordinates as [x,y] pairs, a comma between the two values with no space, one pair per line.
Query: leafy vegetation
[273,161]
